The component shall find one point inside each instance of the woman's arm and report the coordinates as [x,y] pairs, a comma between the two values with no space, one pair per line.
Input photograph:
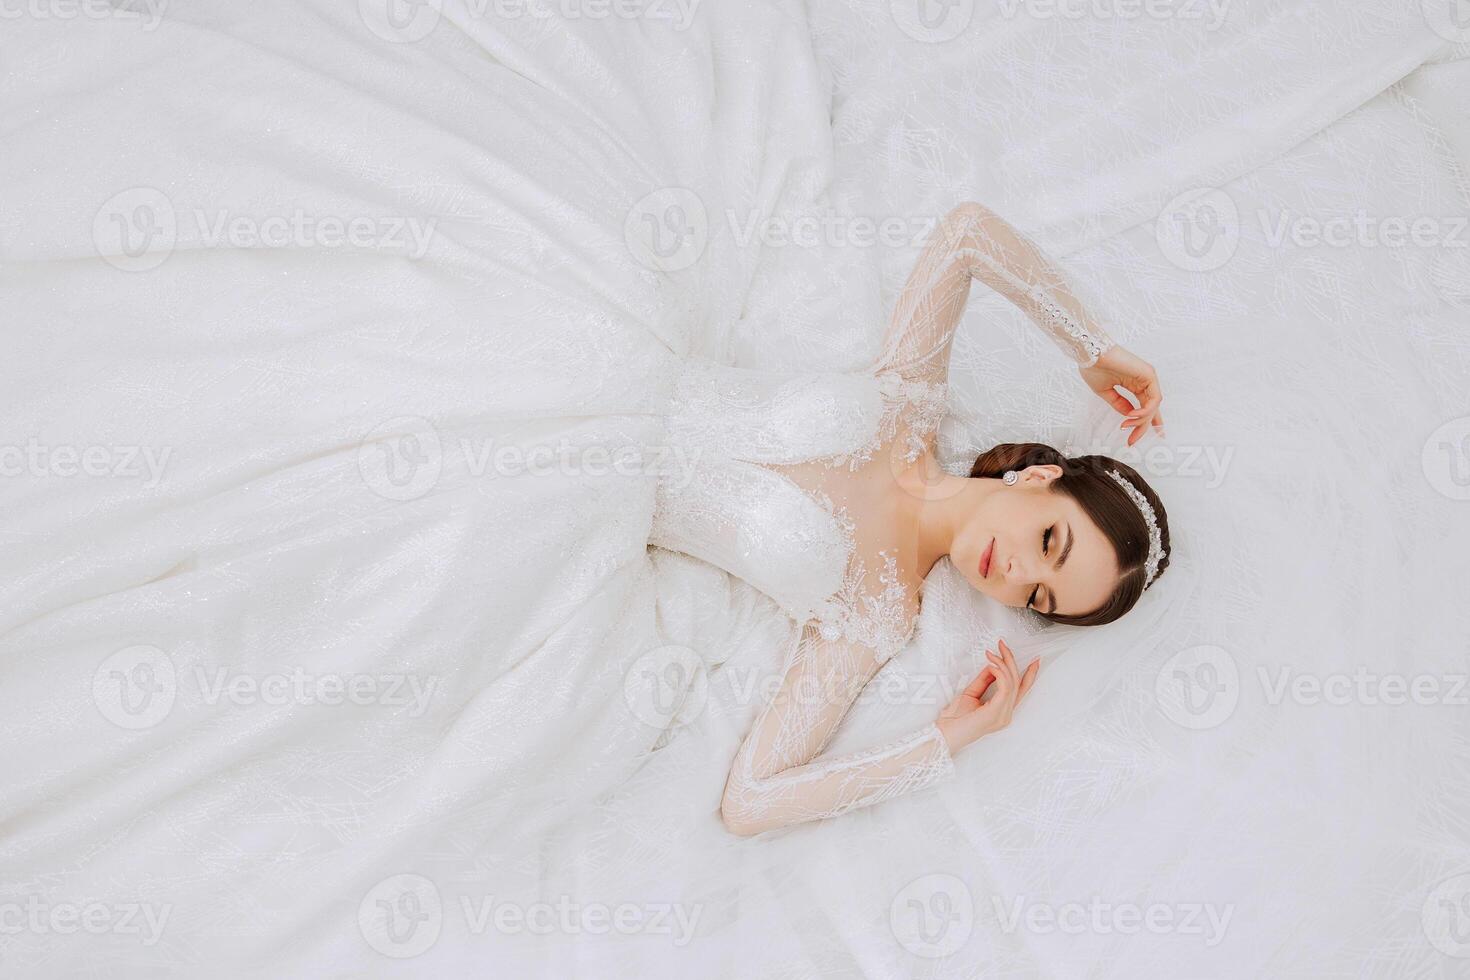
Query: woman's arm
[971,241]
[778,779]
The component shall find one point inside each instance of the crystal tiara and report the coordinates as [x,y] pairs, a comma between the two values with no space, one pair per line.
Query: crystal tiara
[1155,536]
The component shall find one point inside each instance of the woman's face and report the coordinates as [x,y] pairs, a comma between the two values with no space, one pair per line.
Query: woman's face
[1028,546]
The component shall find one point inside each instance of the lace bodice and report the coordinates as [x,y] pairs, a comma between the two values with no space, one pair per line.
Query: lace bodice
[789,479]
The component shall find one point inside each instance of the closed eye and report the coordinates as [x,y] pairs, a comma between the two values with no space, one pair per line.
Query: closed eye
[1045,548]
[1046,537]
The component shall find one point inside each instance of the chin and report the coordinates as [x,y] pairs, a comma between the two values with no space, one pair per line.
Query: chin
[978,584]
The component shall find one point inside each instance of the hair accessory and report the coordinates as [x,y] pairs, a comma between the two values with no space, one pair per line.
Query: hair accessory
[1155,536]
[1010,478]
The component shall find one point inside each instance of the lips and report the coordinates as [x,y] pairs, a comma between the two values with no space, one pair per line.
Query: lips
[985,559]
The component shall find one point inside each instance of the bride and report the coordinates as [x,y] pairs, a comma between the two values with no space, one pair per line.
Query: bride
[823,490]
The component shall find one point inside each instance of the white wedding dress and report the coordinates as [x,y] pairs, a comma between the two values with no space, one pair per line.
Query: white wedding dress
[278,837]
[787,494]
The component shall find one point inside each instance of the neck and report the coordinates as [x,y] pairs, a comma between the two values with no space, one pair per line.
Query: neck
[939,504]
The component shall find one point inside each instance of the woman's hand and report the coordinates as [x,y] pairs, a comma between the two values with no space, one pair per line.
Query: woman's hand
[967,718]
[1124,369]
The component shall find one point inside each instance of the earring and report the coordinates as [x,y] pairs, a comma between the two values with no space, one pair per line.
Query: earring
[1010,478]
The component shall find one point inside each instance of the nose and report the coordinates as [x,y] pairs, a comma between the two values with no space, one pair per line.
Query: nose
[1017,570]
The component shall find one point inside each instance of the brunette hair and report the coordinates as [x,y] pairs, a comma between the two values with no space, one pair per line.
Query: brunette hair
[1085,479]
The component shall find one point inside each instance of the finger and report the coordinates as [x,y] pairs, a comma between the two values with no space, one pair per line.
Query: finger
[1003,666]
[1009,659]
[1004,700]
[1004,690]
[1029,678]
[997,664]
[1119,403]
[981,683]
[1012,676]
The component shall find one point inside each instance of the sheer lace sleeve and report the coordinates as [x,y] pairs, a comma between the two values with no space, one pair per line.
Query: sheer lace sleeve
[779,777]
[971,241]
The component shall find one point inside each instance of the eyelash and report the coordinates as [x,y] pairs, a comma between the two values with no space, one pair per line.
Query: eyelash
[1045,538]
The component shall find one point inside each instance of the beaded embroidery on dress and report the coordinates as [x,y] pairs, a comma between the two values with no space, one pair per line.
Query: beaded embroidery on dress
[789,470]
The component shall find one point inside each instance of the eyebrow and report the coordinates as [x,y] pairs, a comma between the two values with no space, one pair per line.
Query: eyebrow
[1066,549]
[1051,597]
